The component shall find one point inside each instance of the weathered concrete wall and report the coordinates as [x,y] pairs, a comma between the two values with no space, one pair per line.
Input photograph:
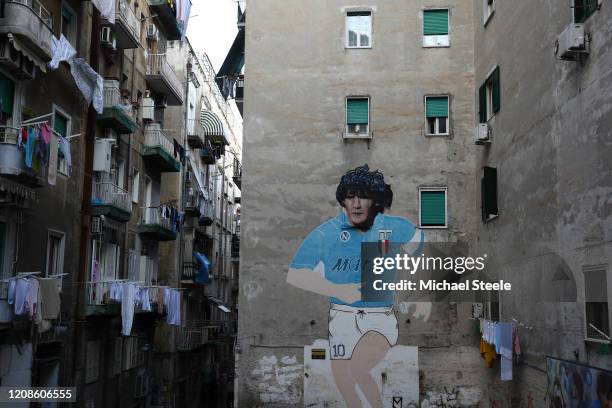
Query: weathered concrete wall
[298,74]
[551,149]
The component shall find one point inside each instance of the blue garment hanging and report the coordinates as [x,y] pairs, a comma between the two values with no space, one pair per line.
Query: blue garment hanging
[29,147]
[203,269]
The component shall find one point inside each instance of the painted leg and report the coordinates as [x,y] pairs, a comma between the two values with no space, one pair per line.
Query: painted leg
[345,382]
[370,351]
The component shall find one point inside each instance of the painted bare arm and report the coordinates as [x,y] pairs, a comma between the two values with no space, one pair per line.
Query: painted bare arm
[313,280]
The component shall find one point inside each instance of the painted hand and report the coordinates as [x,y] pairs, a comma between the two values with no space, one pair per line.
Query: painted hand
[349,293]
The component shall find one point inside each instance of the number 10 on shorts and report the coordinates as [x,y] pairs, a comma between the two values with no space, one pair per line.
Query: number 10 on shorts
[338,350]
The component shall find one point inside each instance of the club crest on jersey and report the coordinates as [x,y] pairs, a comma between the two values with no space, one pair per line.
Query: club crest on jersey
[345,236]
[383,239]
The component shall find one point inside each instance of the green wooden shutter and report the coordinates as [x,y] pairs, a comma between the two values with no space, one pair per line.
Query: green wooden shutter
[482,103]
[495,90]
[433,208]
[7,93]
[60,124]
[583,9]
[435,22]
[436,107]
[488,185]
[357,111]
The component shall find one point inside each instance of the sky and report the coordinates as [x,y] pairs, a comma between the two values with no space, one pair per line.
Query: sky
[212,28]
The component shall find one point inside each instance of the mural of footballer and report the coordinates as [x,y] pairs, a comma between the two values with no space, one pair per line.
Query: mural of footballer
[329,263]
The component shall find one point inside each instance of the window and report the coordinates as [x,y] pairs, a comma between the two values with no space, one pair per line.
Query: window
[359,29]
[488,193]
[55,253]
[7,96]
[583,9]
[92,365]
[489,97]
[358,116]
[435,28]
[69,24]
[492,305]
[597,318]
[135,185]
[61,126]
[432,207]
[436,111]
[488,8]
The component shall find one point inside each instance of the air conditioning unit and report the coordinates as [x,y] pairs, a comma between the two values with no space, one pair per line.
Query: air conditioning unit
[27,69]
[107,38]
[9,56]
[147,109]
[571,42]
[96,225]
[152,32]
[482,133]
[102,155]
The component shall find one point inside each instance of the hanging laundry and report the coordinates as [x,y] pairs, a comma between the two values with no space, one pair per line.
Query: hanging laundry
[21,287]
[127,308]
[29,147]
[497,338]
[89,83]
[487,351]
[173,307]
[145,301]
[106,9]
[161,301]
[61,50]
[203,268]
[50,298]
[116,291]
[516,342]
[11,291]
[32,296]
[506,351]
[53,157]
[64,145]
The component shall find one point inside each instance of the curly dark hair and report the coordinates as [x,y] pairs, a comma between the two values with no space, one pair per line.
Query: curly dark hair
[364,183]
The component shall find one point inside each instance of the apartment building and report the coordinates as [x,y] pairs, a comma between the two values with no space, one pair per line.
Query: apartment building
[489,120]
[103,217]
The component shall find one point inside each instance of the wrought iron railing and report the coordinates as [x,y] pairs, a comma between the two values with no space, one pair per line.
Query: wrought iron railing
[106,193]
[153,216]
[155,137]
[158,65]
[129,19]
[112,98]
[38,9]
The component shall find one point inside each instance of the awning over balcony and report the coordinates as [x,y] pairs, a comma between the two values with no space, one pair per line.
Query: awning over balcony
[234,61]
[219,303]
[212,126]
[23,49]
[17,189]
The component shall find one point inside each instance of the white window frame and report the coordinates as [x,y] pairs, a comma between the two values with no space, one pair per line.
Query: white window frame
[436,41]
[489,89]
[73,29]
[51,233]
[445,189]
[585,270]
[488,9]
[360,135]
[135,187]
[346,28]
[17,98]
[62,166]
[437,120]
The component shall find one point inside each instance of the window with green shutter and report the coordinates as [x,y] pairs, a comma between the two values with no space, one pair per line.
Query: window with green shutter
[357,115]
[433,208]
[583,9]
[437,114]
[435,22]
[60,124]
[7,94]
[489,97]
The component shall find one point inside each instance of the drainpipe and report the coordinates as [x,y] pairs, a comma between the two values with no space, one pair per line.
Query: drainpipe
[182,175]
[89,141]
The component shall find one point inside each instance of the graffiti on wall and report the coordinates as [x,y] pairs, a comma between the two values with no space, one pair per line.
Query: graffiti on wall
[572,385]
[361,333]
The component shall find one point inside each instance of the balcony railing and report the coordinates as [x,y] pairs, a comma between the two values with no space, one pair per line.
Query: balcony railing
[157,65]
[195,133]
[191,336]
[128,18]
[38,9]
[155,137]
[106,193]
[12,159]
[152,216]
[98,293]
[117,113]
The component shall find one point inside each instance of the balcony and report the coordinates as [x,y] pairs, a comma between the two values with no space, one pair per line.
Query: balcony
[98,299]
[208,216]
[159,150]
[235,247]
[237,177]
[12,160]
[162,80]
[195,134]
[166,16]
[31,24]
[156,226]
[116,114]
[239,99]
[207,154]
[191,336]
[111,201]
[126,27]
[192,203]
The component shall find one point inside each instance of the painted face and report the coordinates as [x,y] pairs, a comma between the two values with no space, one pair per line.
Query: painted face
[357,209]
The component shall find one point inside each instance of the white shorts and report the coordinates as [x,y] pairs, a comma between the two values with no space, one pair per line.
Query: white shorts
[348,324]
